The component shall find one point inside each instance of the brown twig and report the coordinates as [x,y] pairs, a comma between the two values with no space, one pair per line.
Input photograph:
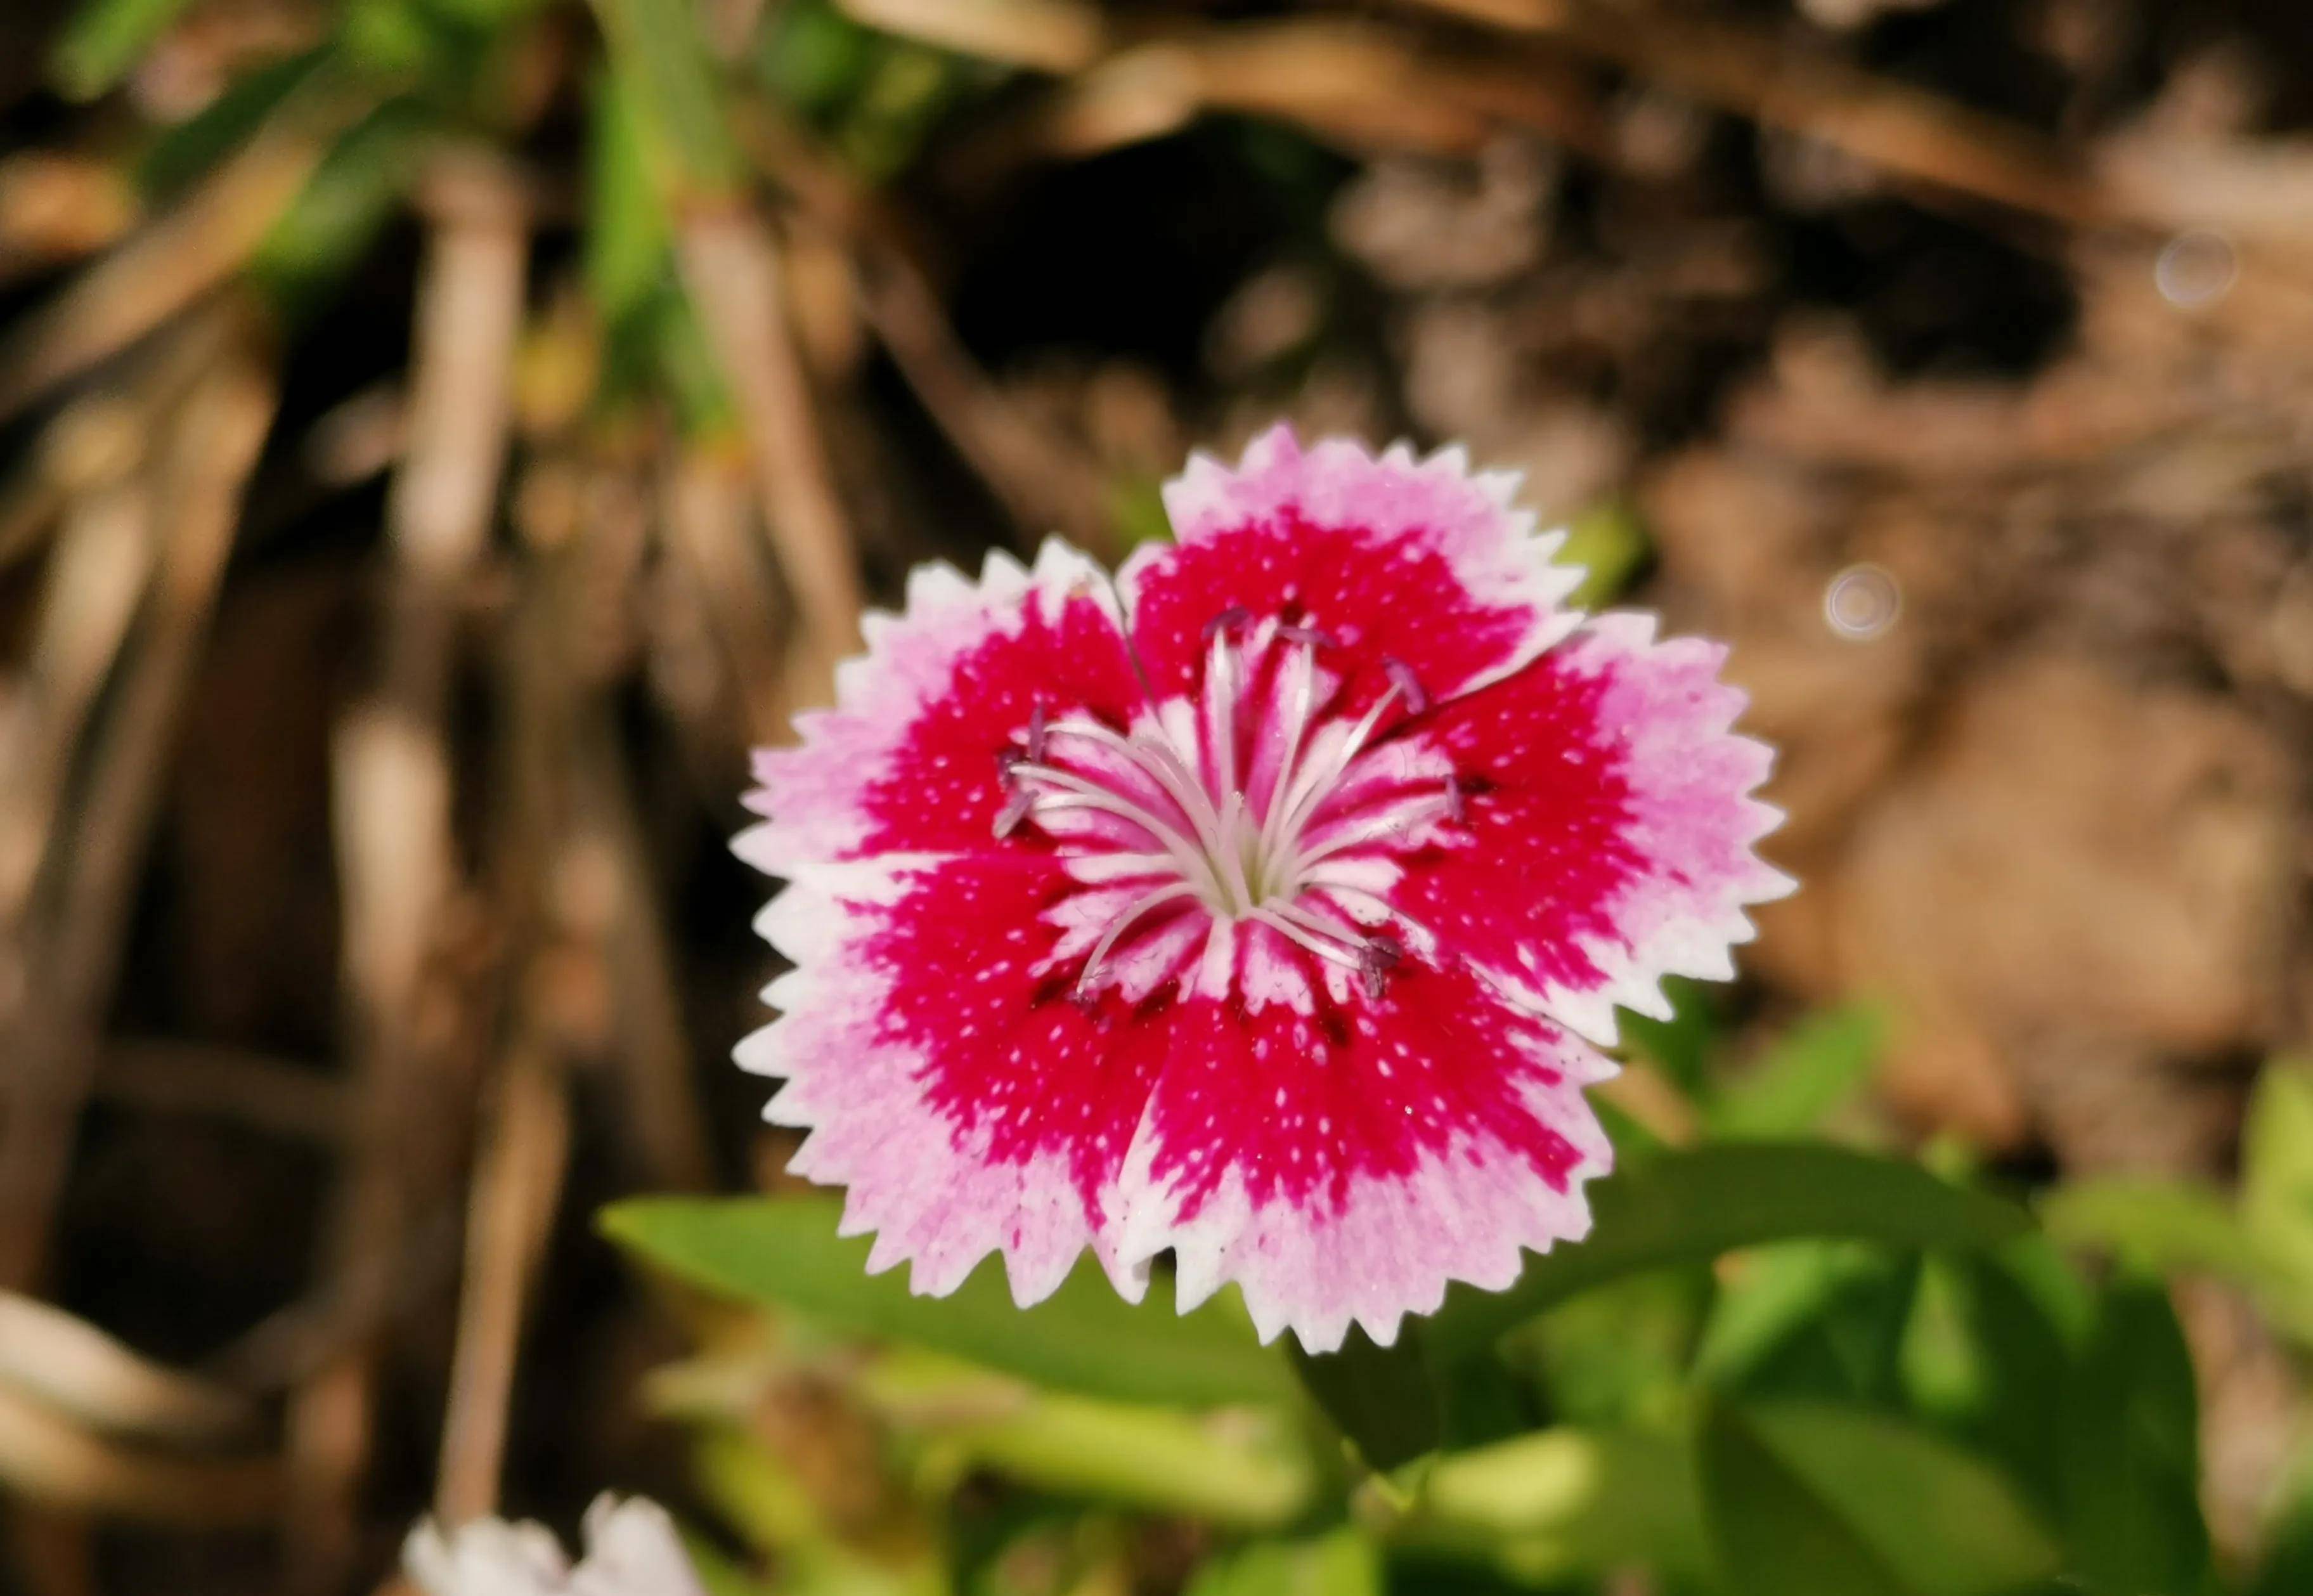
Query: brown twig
[1050,35]
[179,259]
[280,1097]
[202,467]
[1891,126]
[650,1044]
[731,265]
[77,1369]
[525,1144]
[1041,480]
[47,1458]
[397,855]
[704,520]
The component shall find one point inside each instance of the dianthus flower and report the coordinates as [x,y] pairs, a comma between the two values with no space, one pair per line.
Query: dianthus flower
[1263,905]
[632,1550]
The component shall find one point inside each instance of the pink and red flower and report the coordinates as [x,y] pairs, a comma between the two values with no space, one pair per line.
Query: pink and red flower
[1263,906]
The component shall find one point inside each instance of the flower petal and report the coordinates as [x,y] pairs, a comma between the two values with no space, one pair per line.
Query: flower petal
[905,764]
[1609,831]
[633,1549]
[1419,562]
[1342,1160]
[950,1080]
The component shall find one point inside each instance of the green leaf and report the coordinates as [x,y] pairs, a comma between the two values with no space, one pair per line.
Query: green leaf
[193,147]
[1697,1202]
[1248,1470]
[1561,1504]
[814,57]
[1619,1354]
[718,1575]
[2276,1203]
[1806,1499]
[1812,1318]
[1606,539]
[784,1251]
[758,1492]
[1986,1360]
[2287,1568]
[344,204]
[1814,1071]
[1680,1046]
[1385,1399]
[2131,1460]
[678,97]
[1345,1563]
[2154,1225]
[628,238]
[104,40]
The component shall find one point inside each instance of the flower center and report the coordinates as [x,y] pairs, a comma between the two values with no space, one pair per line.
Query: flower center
[1260,805]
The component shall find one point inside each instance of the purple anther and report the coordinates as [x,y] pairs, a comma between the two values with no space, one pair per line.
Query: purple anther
[1307,634]
[1408,684]
[1228,620]
[1036,734]
[1454,807]
[1376,959]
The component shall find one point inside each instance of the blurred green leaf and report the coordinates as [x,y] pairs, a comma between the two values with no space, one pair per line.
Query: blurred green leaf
[1564,1502]
[1697,1202]
[2131,1460]
[1816,1069]
[2276,1200]
[1815,1319]
[760,1497]
[678,99]
[2287,1568]
[1986,1361]
[104,40]
[1246,1470]
[185,151]
[1136,504]
[909,88]
[628,238]
[717,1573]
[1084,1338]
[1806,1499]
[814,57]
[1606,539]
[1345,1563]
[345,205]
[1618,1354]
[2155,1225]
[1680,1046]
[1388,1399]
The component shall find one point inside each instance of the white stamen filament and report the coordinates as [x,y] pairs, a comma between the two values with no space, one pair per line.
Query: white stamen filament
[1157,761]
[1131,915]
[1320,781]
[1243,855]
[1332,951]
[1300,699]
[1397,823]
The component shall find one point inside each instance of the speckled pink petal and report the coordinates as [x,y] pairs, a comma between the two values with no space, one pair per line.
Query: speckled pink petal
[946,1078]
[1419,564]
[1609,831]
[903,763]
[1341,1162]
[1268,940]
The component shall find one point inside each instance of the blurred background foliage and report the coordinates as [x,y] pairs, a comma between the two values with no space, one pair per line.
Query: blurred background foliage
[438,438]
